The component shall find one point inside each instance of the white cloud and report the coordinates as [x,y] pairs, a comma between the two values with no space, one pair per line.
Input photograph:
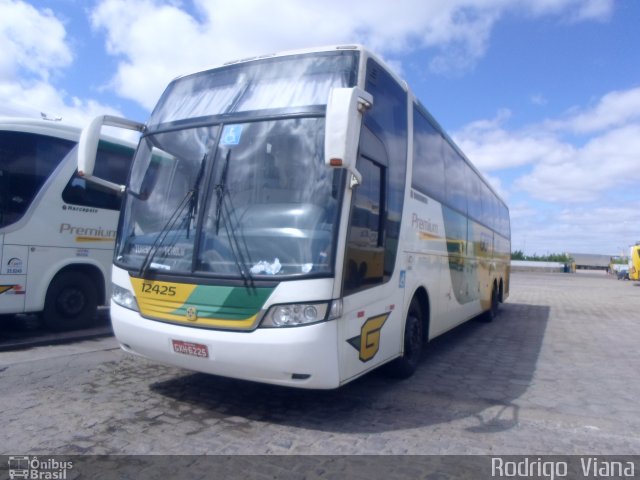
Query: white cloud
[554,168]
[605,162]
[593,10]
[156,40]
[612,110]
[32,41]
[574,10]
[491,146]
[35,51]
[606,228]
[539,99]
[30,100]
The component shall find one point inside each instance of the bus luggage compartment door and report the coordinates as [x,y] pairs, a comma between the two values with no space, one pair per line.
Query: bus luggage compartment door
[13,278]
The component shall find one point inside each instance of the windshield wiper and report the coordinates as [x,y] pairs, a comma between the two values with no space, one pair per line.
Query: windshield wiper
[223,211]
[193,201]
[190,199]
[221,190]
[235,245]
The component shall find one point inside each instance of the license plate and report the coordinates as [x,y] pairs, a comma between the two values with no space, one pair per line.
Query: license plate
[188,348]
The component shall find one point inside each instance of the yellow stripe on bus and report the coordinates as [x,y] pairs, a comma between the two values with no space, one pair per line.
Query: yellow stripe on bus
[161,299]
[82,239]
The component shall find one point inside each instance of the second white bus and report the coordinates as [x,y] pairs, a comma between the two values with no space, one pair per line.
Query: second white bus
[57,231]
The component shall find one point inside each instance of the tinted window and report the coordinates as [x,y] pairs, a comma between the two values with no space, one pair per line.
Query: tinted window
[26,161]
[495,208]
[505,228]
[112,163]
[387,120]
[364,264]
[428,164]
[475,194]
[455,178]
[488,206]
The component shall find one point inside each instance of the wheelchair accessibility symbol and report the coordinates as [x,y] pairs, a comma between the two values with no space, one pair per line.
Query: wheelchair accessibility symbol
[231,135]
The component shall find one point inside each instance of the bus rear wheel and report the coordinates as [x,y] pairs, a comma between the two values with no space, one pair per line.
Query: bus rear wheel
[492,313]
[71,302]
[406,365]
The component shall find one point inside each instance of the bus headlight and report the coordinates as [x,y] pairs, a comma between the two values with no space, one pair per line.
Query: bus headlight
[123,297]
[295,314]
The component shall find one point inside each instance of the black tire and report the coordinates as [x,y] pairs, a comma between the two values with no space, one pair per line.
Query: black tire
[71,302]
[406,365]
[492,313]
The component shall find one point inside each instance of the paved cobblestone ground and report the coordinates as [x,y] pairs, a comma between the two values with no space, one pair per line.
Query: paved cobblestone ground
[556,373]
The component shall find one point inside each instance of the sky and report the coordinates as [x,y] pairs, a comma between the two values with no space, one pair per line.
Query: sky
[543,96]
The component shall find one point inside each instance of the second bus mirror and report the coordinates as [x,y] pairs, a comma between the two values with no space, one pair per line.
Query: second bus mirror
[342,127]
[88,146]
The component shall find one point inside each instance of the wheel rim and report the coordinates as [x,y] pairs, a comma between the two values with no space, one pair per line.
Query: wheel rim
[71,302]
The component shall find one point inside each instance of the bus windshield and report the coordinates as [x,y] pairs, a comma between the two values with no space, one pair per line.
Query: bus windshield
[230,179]
[258,202]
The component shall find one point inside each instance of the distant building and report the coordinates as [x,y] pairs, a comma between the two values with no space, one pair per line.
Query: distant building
[588,261]
[536,266]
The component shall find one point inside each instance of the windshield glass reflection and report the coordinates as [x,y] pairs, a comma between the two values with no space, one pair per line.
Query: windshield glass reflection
[287,82]
[270,205]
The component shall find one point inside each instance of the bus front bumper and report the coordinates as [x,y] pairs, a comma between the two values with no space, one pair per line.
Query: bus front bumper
[302,357]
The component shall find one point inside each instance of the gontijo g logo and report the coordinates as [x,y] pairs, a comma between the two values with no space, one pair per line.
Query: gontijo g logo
[368,342]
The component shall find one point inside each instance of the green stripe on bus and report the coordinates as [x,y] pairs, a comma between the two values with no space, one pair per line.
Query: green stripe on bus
[226,303]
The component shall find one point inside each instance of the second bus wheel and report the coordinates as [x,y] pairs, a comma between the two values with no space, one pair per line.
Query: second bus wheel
[71,301]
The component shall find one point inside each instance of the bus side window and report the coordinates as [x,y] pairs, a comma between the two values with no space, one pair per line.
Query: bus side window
[26,161]
[112,164]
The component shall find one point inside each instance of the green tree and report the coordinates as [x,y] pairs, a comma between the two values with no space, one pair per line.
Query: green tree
[517,255]
[553,257]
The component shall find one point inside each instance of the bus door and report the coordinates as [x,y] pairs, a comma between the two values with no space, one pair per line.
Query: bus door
[370,330]
[373,288]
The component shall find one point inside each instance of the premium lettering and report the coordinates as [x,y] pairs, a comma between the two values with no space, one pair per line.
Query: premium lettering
[88,232]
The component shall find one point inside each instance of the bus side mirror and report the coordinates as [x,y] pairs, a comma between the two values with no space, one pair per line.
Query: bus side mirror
[88,146]
[342,127]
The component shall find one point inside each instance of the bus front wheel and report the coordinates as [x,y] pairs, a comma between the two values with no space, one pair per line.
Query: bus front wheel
[71,301]
[406,365]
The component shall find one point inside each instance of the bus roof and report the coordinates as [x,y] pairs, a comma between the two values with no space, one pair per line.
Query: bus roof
[37,125]
[53,128]
[302,51]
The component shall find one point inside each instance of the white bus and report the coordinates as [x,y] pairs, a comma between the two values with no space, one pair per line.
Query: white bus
[299,219]
[57,231]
